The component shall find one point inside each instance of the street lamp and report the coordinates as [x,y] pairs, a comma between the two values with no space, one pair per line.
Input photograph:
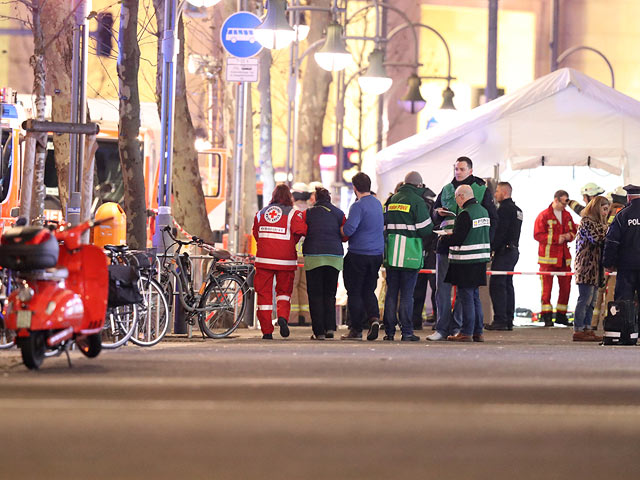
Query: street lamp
[333,56]
[375,80]
[413,101]
[275,32]
[447,99]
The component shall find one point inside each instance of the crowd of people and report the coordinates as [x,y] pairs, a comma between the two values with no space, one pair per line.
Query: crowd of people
[459,233]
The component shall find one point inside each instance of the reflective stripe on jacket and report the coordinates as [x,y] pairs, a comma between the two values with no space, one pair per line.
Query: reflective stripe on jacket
[476,247]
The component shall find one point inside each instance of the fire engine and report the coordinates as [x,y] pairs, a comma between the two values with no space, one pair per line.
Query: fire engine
[108,185]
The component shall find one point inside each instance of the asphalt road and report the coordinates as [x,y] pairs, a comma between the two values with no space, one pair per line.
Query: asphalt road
[525,404]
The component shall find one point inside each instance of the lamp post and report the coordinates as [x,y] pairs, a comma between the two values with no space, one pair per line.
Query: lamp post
[556,59]
[78,108]
[170,48]
[572,50]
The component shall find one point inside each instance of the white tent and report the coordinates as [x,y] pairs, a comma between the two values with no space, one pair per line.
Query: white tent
[564,118]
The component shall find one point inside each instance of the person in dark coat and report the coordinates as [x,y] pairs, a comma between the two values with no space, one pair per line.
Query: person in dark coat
[622,247]
[505,256]
[469,251]
[444,211]
[323,252]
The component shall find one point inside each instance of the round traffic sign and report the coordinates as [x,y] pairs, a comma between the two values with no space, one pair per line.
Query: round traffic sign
[237,37]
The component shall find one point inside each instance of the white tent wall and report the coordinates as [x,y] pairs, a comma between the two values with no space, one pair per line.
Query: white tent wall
[533,192]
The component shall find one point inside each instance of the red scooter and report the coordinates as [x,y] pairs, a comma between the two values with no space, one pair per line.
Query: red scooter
[60,294]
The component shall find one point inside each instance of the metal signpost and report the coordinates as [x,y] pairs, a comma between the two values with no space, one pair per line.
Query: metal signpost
[238,40]
[78,110]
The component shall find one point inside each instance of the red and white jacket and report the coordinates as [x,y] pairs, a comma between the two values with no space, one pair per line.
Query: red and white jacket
[547,231]
[277,229]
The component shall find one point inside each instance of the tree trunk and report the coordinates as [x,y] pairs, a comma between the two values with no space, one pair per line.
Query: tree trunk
[33,180]
[249,195]
[58,64]
[266,138]
[313,104]
[131,161]
[188,206]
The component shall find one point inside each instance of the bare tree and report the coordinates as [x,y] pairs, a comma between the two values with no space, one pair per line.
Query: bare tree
[58,29]
[266,133]
[131,161]
[313,105]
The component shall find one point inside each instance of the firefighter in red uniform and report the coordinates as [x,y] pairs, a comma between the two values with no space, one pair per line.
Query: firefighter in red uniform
[554,229]
[276,228]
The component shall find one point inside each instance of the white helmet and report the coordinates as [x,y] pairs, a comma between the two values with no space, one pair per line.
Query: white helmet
[591,189]
[300,187]
[314,185]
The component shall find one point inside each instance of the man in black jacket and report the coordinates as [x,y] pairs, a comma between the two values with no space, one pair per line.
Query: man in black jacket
[505,256]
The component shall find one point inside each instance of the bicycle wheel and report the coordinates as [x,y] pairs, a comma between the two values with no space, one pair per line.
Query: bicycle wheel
[224,301]
[118,326]
[153,314]
[7,337]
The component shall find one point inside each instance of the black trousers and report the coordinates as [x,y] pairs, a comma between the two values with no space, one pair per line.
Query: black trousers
[627,284]
[322,283]
[360,279]
[420,295]
[501,287]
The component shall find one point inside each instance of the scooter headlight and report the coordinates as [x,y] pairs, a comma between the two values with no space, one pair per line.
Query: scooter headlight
[25,293]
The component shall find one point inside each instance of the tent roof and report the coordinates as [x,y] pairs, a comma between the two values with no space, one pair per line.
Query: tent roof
[418,145]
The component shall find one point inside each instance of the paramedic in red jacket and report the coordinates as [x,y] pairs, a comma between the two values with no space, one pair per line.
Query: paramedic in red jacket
[277,229]
[554,229]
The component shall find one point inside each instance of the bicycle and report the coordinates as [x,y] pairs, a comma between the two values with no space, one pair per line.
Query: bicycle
[120,320]
[219,304]
[153,312]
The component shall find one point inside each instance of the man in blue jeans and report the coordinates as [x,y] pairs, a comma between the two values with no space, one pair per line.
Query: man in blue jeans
[444,214]
[469,252]
[365,229]
[407,222]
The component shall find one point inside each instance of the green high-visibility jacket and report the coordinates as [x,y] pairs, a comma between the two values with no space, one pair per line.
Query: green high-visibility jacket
[476,248]
[448,199]
[406,222]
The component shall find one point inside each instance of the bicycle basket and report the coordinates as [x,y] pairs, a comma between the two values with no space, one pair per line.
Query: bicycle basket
[141,259]
[123,286]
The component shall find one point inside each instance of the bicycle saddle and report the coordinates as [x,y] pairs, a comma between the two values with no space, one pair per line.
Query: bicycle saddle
[220,254]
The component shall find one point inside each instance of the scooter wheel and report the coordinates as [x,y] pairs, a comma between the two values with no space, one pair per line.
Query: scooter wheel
[33,348]
[91,345]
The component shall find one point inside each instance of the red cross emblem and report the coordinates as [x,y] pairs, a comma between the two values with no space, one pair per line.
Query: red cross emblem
[273,214]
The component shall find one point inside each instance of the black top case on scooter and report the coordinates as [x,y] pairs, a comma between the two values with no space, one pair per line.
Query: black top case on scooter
[28,248]
[621,323]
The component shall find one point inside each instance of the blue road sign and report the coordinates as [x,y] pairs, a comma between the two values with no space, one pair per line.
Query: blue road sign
[237,35]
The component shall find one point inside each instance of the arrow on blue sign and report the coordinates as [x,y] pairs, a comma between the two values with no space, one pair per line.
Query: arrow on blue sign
[237,35]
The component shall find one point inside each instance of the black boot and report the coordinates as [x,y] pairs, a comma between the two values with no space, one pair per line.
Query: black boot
[547,318]
[561,319]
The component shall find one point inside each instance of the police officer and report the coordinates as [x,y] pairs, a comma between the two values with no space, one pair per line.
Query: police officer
[505,256]
[622,247]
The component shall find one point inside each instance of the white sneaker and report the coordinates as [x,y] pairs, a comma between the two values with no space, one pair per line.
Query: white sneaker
[436,337]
